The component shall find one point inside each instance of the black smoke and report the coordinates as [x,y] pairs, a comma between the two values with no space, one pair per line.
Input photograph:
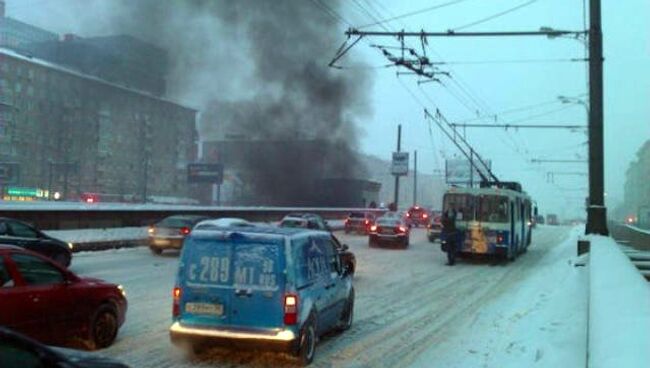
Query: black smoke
[258,71]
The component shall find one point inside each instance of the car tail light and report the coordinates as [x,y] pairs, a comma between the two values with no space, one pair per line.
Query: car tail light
[500,238]
[367,222]
[290,309]
[424,215]
[185,230]
[176,297]
[373,228]
[408,214]
[151,230]
[401,229]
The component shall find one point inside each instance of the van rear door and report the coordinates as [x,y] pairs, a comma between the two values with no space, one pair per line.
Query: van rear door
[232,281]
[259,283]
[205,278]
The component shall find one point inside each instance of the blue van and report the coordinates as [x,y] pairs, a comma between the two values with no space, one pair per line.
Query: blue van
[261,287]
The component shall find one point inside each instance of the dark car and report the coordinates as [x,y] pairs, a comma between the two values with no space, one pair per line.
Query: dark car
[17,350]
[170,232]
[359,222]
[435,227]
[44,301]
[389,229]
[311,221]
[417,216]
[20,234]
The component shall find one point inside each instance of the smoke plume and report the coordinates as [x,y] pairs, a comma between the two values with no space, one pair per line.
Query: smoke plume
[258,70]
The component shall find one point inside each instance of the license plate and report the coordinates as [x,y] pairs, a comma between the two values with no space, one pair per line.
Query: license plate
[386,231]
[161,241]
[204,308]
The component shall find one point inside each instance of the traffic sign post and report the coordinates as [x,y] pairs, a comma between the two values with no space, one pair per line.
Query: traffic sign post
[205,173]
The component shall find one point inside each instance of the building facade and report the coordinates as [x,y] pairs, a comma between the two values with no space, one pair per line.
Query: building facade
[637,187]
[120,59]
[72,133]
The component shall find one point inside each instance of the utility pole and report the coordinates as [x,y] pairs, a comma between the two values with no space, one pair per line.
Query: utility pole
[596,212]
[399,147]
[415,177]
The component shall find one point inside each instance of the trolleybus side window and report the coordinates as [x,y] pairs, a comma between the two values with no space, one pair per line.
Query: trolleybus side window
[493,208]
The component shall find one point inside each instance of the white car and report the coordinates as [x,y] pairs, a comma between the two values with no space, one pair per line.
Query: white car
[223,222]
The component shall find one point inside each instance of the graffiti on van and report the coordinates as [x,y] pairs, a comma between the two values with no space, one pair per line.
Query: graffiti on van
[252,266]
[210,269]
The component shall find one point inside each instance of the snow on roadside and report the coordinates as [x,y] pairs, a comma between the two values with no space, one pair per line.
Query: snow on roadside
[619,329]
[96,235]
[541,321]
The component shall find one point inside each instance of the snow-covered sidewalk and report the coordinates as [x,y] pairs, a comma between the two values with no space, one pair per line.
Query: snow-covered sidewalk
[540,320]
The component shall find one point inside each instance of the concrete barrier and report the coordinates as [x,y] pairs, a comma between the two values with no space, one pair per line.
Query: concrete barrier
[619,309]
[61,216]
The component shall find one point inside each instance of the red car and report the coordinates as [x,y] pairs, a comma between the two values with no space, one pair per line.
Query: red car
[46,302]
[417,216]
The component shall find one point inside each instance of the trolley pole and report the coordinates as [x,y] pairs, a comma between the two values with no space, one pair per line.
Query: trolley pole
[596,212]
[415,177]
[399,147]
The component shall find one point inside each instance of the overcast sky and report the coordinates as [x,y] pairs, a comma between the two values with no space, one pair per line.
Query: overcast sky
[481,86]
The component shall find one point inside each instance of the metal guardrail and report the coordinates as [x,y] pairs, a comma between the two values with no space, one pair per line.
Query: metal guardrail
[632,236]
[84,216]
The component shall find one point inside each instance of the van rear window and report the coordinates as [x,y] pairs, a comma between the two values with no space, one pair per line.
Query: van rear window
[226,264]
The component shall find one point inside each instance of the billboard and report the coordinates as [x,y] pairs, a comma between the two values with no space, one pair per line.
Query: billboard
[459,171]
[205,173]
[400,164]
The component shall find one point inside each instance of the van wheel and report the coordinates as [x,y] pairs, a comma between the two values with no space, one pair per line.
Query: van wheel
[104,327]
[348,314]
[307,343]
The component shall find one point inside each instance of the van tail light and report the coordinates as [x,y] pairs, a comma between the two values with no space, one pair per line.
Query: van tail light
[176,297]
[373,228]
[401,229]
[185,230]
[290,309]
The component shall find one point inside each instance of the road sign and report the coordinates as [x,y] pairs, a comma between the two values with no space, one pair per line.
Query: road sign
[400,165]
[9,173]
[205,173]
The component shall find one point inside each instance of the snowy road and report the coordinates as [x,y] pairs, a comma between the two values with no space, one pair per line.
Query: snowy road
[408,305]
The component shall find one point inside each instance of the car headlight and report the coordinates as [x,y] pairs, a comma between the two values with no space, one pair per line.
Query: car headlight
[121,289]
[70,246]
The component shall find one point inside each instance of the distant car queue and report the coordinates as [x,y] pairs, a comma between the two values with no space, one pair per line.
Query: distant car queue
[252,284]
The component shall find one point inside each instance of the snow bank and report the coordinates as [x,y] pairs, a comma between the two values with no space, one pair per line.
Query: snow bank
[619,309]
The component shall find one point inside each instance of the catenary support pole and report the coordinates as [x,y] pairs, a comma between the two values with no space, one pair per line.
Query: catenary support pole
[399,147]
[596,212]
[415,177]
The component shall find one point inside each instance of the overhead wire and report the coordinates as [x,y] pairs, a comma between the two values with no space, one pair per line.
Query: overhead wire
[494,16]
[412,13]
